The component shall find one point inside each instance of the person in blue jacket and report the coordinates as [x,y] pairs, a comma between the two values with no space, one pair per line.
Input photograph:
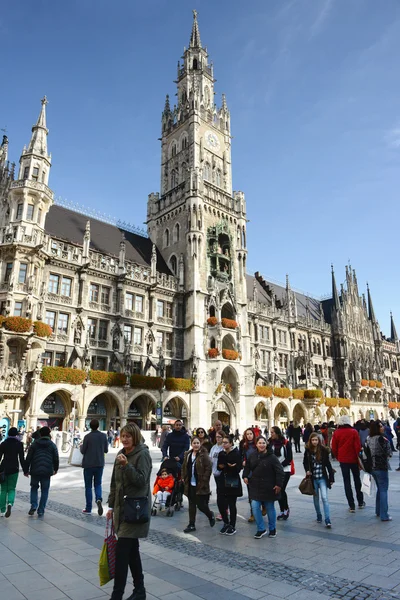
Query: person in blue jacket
[176,443]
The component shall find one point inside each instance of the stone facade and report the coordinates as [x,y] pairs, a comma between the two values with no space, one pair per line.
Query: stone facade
[175,303]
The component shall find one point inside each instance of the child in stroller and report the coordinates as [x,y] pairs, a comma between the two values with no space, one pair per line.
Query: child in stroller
[167,490]
[163,487]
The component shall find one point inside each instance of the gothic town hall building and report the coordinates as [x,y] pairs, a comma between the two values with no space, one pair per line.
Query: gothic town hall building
[100,320]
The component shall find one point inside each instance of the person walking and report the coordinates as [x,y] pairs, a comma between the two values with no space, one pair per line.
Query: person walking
[264,475]
[230,489]
[308,429]
[214,453]
[346,448]
[296,437]
[380,451]
[282,449]
[130,478]
[110,436]
[389,435]
[196,473]
[318,466]
[11,456]
[41,463]
[93,448]
[176,443]
[247,447]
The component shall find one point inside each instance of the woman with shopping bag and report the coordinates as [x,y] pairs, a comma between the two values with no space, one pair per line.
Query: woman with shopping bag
[379,449]
[129,506]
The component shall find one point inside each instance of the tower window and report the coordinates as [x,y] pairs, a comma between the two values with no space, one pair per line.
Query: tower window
[18,309]
[7,275]
[174,181]
[173,149]
[173,264]
[176,233]
[195,64]
[166,238]
[29,212]
[26,172]
[218,178]
[184,143]
[23,267]
[207,171]
[35,173]
[20,209]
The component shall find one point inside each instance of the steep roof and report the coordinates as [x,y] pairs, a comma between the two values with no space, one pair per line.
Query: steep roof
[68,225]
[280,294]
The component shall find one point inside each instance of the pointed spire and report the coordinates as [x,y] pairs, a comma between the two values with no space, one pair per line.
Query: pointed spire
[167,108]
[393,332]
[38,143]
[224,105]
[335,295]
[195,41]
[371,312]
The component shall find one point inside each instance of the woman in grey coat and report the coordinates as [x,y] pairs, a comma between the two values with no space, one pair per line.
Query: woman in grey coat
[131,478]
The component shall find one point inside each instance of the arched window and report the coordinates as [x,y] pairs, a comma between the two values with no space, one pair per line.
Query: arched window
[166,238]
[183,171]
[173,264]
[195,64]
[184,142]
[173,149]
[176,232]
[174,181]
[218,178]
[207,171]
[207,95]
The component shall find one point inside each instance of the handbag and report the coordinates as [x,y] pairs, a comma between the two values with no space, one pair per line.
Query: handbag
[306,487]
[231,481]
[136,510]
[76,458]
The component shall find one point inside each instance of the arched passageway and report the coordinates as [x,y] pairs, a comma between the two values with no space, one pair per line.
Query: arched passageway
[55,410]
[142,411]
[175,409]
[281,416]
[105,409]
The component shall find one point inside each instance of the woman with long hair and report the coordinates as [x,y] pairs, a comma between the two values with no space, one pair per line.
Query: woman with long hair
[230,488]
[318,466]
[204,438]
[130,478]
[214,453]
[247,447]
[196,473]
[378,446]
[282,448]
[264,475]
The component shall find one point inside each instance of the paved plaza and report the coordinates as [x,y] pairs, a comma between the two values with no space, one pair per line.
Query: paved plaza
[56,557]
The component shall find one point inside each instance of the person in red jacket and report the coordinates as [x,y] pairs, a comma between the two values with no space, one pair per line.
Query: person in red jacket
[346,447]
[163,487]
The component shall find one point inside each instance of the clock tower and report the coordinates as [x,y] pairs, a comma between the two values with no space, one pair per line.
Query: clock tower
[199,226]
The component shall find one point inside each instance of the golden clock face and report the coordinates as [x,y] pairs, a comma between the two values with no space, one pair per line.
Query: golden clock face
[212,140]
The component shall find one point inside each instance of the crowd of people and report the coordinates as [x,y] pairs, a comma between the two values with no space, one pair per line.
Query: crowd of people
[261,461]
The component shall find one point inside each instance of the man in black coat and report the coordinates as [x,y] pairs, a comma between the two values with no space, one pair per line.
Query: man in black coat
[41,463]
[176,443]
[94,448]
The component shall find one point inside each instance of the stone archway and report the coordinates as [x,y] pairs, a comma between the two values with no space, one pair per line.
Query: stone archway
[261,413]
[175,408]
[54,410]
[299,414]
[106,409]
[229,379]
[281,416]
[224,411]
[142,411]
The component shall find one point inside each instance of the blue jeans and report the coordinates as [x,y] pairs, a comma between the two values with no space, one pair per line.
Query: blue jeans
[382,486]
[44,483]
[271,513]
[320,486]
[92,474]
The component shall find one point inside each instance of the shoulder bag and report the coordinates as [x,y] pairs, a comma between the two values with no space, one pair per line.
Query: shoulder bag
[306,486]
[135,510]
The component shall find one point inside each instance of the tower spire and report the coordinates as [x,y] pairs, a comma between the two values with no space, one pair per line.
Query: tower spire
[335,295]
[38,143]
[371,312]
[393,332]
[195,41]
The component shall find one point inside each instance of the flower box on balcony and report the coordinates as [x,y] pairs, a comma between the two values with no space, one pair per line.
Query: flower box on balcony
[298,394]
[379,384]
[312,394]
[146,383]
[63,374]
[177,384]
[344,402]
[230,354]
[264,391]
[212,321]
[394,405]
[213,352]
[372,383]
[281,392]
[42,329]
[229,323]
[107,378]
[365,382]
[331,402]
[18,324]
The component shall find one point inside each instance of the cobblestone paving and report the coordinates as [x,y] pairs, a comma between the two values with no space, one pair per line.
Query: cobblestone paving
[333,587]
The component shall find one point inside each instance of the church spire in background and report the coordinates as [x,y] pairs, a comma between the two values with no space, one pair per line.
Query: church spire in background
[195,41]
[335,295]
[393,332]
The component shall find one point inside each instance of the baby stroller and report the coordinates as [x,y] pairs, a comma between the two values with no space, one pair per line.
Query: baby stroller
[175,499]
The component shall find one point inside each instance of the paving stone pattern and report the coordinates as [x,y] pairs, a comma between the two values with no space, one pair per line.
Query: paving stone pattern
[332,586]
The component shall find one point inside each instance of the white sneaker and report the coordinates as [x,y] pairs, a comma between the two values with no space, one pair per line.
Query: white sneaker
[2,514]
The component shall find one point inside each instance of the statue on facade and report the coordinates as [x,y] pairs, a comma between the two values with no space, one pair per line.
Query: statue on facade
[161,364]
[116,337]
[86,358]
[78,332]
[127,359]
[149,342]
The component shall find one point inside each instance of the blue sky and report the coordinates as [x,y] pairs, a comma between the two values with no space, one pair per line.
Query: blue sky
[314,95]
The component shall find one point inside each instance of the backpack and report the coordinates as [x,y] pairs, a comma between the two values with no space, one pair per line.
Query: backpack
[366,458]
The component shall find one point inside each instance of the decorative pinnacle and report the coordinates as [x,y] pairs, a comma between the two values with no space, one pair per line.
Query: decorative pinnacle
[195,41]
[44,100]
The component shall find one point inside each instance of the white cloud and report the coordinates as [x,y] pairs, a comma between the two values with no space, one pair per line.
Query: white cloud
[392,137]
[322,16]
